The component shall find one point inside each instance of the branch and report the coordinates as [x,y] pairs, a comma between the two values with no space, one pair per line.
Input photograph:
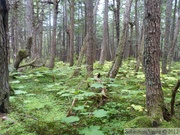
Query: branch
[48,2]
[174,96]
[28,64]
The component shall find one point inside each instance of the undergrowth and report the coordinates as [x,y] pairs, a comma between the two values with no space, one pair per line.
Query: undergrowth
[44,98]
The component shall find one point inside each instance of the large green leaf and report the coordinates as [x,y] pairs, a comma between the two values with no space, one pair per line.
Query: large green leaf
[97,85]
[70,119]
[92,130]
[17,92]
[15,81]
[100,113]
[137,107]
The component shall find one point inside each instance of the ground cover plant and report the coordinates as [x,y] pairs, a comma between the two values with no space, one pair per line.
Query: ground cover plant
[53,102]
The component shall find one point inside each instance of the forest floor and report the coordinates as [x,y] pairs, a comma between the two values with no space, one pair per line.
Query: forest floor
[44,98]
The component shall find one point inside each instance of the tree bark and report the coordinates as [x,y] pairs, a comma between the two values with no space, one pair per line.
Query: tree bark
[137,29]
[4,74]
[140,50]
[95,57]
[154,94]
[90,43]
[53,43]
[119,55]
[71,57]
[116,17]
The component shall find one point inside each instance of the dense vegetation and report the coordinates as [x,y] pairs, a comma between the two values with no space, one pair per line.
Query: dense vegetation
[43,98]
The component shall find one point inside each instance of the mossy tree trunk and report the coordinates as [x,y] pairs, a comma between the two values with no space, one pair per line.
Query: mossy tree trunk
[4,83]
[23,53]
[154,93]
[119,55]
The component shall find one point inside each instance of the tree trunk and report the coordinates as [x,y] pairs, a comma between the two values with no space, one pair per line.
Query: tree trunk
[53,43]
[119,55]
[71,57]
[173,22]
[167,35]
[173,45]
[64,50]
[90,43]
[29,19]
[136,29]
[105,41]
[131,53]
[4,83]
[95,48]
[80,58]
[154,93]
[116,17]
[140,50]
[84,45]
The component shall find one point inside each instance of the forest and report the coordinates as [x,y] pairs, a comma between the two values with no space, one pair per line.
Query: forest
[89,67]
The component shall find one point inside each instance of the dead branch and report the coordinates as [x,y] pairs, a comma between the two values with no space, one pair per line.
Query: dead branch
[174,96]
[69,113]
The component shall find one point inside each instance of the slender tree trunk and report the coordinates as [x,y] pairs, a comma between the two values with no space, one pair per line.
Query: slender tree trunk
[167,35]
[154,93]
[116,17]
[84,45]
[173,23]
[49,30]
[64,48]
[95,29]
[53,44]
[29,18]
[105,41]
[131,53]
[71,57]
[41,34]
[90,43]
[4,83]
[136,29]
[173,45]
[119,55]
[140,50]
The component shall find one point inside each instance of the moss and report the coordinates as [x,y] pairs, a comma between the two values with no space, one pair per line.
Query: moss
[146,121]
[166,124]
[22,53]
[139,122]
[174,123]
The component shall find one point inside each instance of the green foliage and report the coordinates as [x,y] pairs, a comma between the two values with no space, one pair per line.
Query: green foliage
[92,130]
[70,119]
[43,97]
[100,113]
